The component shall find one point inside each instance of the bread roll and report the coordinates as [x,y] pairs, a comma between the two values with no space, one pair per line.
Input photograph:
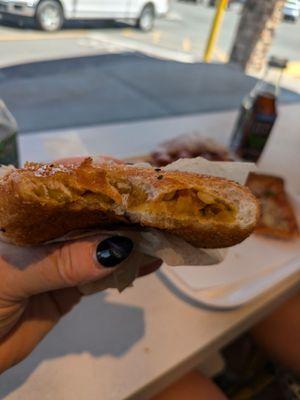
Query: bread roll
[41,202]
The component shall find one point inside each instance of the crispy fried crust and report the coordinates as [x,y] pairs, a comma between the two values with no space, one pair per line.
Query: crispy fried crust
[42,202]
[277,217]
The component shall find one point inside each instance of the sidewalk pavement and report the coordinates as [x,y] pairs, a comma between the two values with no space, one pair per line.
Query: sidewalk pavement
[119,87]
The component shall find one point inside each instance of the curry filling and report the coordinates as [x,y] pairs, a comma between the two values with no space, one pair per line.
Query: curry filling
[187,203]
[178,204]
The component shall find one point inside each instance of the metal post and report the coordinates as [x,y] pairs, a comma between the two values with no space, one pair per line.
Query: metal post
[221,7]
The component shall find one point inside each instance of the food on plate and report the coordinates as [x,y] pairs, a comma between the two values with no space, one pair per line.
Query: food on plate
[277,215]
[189,146]
[41,202]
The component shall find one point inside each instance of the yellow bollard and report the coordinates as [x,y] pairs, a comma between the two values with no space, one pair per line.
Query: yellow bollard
[213,35]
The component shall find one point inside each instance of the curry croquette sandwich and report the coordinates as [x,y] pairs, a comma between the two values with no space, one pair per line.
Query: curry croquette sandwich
[41,202]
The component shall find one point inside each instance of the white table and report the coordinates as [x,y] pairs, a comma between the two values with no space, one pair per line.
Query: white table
[114,347]
[281,155]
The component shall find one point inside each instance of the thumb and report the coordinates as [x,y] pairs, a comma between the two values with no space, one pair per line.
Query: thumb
[71,264]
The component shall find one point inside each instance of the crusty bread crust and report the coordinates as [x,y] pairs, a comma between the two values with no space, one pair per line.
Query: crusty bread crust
[44,201]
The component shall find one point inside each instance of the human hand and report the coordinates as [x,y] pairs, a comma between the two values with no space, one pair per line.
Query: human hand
[39,285]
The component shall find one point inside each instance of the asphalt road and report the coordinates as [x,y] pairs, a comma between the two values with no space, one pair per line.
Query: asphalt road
[95,86]
[181,36]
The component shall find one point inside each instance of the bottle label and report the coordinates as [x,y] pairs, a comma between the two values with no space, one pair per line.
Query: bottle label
[259,129]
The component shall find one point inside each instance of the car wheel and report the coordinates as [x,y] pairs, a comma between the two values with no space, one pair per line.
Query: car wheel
[147,18]
[49,16]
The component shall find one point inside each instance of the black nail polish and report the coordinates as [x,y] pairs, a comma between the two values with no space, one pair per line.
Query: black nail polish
[112,251]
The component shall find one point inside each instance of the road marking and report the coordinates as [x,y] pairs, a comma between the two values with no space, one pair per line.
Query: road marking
[31,36]
[186,44]
[149,49]
[102,47]
[127,32]
[156,37]
[220,55]
[173,16]
[293,69]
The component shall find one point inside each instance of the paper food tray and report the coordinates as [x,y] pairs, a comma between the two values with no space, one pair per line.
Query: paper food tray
[249,269]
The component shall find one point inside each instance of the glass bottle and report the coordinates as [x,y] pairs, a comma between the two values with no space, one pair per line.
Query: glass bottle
[257,115]
[8,137]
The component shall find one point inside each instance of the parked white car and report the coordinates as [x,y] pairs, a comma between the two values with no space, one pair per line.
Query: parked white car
[291,10]
[51,14]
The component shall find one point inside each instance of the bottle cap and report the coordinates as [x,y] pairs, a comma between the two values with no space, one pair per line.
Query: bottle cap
[276,62]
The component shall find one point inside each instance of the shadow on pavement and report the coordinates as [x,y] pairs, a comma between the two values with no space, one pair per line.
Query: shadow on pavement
[113,88]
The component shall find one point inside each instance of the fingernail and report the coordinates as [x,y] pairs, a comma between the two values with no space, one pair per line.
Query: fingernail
[112,251]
